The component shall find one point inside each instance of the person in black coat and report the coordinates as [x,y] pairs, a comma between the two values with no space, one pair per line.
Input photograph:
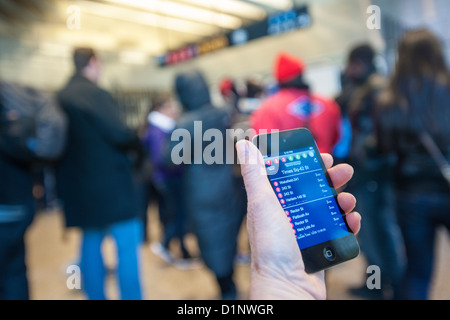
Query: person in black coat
[32,136]
[372,183]
[415,106]
[95,179]
[208,183]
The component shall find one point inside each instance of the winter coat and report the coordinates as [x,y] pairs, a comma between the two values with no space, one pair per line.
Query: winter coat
[400,125]
[208,188]
[292,108]
[94,177]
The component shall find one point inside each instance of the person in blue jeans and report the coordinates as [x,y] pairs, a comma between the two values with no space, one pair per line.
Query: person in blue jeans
[22,153]
[415,103]
[95,180]
[17,209]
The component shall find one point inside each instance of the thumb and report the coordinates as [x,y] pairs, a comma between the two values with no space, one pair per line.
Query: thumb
[253,169]
[267,224]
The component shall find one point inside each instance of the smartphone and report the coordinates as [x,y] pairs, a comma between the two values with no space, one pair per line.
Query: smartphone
[300,180]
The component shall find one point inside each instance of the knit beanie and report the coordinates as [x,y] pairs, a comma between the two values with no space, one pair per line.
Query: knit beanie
[288,67]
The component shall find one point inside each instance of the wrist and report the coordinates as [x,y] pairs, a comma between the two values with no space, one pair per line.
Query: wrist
[282,284]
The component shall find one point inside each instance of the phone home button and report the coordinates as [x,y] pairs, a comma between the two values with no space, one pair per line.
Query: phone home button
[329,254]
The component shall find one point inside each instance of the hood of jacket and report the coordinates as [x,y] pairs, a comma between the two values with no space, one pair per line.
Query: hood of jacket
[192,90]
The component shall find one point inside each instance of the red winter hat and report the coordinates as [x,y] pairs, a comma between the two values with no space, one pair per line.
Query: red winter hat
[226,86]
[288,67]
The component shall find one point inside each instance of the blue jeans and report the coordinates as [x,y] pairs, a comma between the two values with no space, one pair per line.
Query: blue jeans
[419,215]
[128,237]
[14,222]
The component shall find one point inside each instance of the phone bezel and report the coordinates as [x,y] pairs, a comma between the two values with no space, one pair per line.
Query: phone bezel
[344,248]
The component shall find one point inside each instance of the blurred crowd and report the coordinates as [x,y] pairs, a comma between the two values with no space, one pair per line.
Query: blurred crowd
[394,131]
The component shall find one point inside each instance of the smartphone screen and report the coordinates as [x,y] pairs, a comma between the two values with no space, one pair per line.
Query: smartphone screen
[303,191]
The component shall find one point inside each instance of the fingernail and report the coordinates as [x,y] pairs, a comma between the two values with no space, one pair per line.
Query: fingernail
[242,150]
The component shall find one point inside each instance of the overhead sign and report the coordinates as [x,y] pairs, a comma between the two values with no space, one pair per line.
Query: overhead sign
[274,25]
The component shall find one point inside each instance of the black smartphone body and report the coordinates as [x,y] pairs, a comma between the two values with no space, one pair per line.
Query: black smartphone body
[300,180]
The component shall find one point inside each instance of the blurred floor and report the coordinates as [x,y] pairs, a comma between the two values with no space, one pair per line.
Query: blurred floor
[51,250]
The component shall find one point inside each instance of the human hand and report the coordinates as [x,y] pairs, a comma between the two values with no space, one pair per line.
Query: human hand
[277,268]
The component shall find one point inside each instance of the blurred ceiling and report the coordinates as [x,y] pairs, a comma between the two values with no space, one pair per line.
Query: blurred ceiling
[135,26]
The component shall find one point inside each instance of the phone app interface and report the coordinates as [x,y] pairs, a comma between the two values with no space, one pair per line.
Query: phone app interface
[306,197]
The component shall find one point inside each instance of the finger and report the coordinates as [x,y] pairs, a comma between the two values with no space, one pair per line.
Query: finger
[346,201]
[354,221]
[252,168]
[327,160]
[340,174]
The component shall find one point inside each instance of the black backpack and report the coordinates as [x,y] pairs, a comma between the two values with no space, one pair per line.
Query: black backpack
[32,125]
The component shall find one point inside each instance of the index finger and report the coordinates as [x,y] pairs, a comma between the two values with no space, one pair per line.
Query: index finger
[339,174]
[327,160]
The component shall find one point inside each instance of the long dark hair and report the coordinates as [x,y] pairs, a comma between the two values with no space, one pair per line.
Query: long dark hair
[420,58]
[418,94]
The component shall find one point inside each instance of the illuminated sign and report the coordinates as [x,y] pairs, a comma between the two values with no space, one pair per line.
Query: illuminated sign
[274,25]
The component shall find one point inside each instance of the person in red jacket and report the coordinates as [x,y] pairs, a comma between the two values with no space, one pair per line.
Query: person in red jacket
[294,106]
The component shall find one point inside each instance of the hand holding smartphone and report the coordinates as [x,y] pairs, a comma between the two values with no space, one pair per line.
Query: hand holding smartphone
[304,190]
